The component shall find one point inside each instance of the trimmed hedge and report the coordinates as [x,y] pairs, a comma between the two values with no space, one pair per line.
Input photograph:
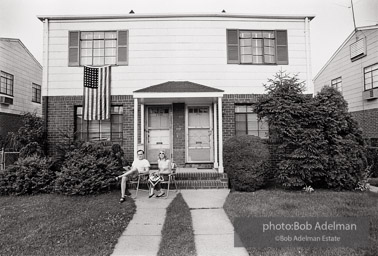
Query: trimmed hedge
[90,169]
[246,161]
[29,175]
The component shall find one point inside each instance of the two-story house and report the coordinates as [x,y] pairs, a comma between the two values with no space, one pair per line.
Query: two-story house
[353,69]
[180,82]
[20,85]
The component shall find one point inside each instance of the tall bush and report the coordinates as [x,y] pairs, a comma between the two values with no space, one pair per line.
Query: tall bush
[32,130]
[318,141]
[246,161]
[90,169]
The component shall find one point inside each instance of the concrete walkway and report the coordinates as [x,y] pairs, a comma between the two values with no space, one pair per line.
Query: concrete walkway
[143,234]
[213,231]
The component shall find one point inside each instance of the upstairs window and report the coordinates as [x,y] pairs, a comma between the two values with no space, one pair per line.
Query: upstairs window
[246,122]
[371,77]
[336,83]
[36,93]
[257,47]
[358,49]
[97,48]
[6,83]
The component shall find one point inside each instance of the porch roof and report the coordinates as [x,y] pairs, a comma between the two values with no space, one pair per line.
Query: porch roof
[179,86]
[178,90]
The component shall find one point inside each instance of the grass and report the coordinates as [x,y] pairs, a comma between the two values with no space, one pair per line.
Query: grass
[177,234]
[60,225]
[278,203]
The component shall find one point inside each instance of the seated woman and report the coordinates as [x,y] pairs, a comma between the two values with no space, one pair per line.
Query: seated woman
[165,168]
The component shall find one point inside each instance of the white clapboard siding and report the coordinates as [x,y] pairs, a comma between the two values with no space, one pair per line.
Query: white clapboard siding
[16,60]
[165,49]
[352,73]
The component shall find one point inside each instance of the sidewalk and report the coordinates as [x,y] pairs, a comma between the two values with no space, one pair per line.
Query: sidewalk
[143,234]
[213,231]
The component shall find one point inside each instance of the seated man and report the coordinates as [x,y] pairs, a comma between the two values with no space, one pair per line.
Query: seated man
[139,166]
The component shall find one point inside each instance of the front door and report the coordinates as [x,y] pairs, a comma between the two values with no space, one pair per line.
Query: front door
[199,134]
[158,132]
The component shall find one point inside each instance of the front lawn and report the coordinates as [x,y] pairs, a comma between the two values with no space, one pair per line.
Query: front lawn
[60,225]
[278,203]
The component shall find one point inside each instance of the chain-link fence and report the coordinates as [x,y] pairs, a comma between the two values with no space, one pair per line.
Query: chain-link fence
[7,158]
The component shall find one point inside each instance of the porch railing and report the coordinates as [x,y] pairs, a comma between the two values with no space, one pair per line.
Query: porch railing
[7,158]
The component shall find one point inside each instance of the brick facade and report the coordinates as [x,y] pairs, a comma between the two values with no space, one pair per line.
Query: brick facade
[179,133]
[368,121]
[59,112]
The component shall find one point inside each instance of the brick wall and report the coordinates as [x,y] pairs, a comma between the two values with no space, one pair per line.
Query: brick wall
[9,123]
[179,133]
[59,111]
[368,121]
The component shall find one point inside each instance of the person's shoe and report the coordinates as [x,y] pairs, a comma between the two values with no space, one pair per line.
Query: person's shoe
[127,193]
[160,194]
[123,199]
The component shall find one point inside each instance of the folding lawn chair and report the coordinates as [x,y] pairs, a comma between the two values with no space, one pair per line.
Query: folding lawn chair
[142,178]
[171,179]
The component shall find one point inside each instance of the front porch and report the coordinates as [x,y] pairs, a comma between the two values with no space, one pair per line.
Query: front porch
[185,120]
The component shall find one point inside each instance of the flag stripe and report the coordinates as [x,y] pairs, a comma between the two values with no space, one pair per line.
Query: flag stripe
[96,93]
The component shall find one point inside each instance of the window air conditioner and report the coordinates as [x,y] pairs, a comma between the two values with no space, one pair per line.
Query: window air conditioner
[370,94]
[6,100]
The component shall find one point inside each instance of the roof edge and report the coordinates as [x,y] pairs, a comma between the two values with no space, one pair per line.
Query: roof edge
[342,45]
[22,44]
[183,15]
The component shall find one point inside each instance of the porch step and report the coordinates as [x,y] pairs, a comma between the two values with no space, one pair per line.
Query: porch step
[209,179]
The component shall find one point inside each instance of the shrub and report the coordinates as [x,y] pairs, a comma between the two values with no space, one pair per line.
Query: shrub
[32,130]
[372,158]
[246,162]
[90,169]
[29,175]
[33,148]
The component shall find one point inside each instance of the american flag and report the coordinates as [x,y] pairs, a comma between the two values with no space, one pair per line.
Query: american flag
[96,93]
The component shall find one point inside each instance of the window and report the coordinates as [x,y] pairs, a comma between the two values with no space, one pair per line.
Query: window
[36,93]
[336,83]
[100,130]
[97,48]
[358,49]
[6,84]
[246,122]
[371,77]
[257,47]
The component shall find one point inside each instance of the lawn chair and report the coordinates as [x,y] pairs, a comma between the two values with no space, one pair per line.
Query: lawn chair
[171,179]
[142,178]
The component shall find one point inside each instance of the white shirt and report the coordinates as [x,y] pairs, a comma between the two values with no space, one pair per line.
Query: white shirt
[141,165]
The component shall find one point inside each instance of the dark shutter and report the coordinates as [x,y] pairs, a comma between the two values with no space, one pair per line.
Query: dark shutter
[122,41]
[282,49]
[73,48]
[232,46]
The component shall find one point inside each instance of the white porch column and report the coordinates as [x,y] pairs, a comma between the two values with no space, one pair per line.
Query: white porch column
[220,120]
[215,136]
[142,124]
[135,127]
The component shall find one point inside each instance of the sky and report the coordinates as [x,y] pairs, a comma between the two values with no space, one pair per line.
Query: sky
[333,21]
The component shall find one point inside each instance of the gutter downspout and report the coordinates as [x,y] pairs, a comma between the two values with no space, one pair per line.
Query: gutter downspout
[45,77]
[309,83]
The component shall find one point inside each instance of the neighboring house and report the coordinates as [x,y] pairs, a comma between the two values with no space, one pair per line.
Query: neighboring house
[353,69]
[20,87]
[178,81]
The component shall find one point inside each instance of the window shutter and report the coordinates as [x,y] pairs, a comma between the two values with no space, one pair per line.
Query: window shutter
[122,41]
[282,49]
[232,46]
[73,48]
